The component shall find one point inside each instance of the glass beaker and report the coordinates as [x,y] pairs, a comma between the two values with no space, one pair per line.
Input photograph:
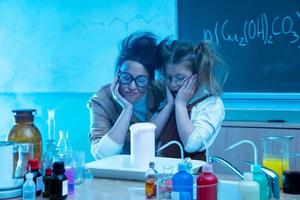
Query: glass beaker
[276,154]
[291,177]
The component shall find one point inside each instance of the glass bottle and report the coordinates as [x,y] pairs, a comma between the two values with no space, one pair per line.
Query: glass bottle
[151,176]
[58,189]
[65,154]
[24,131]
[47,179]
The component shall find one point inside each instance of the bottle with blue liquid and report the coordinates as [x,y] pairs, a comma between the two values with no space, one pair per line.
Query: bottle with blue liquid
[29,187]
[182,184]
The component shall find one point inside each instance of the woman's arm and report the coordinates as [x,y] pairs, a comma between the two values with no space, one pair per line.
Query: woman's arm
[119,130]
[112,135]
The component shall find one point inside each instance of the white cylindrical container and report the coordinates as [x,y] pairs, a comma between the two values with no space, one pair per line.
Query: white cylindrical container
[142,144]
[6,155]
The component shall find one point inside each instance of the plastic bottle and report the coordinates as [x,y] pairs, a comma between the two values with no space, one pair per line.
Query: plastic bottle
[65,154]
[258,175]
[261,179]
[59,183]
[207,184]
[47,179]
[24,131]
[182,183]
[34,169]
[151,177]
[248,189]
[29,188]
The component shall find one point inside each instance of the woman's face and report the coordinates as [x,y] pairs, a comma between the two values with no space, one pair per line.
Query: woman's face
[176,75]
[135,70]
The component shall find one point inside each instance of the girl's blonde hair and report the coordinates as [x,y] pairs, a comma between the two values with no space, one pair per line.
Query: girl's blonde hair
[201,59]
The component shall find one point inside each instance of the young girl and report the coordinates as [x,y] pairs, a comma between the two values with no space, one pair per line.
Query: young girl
[198,110]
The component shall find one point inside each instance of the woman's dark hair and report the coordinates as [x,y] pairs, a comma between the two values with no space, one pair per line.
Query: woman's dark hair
[201,59]
[140,47]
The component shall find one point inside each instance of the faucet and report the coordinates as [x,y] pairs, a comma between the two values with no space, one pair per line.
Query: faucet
[224,162]
[272,177]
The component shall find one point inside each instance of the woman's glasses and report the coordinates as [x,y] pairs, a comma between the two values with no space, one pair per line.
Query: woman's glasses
[141,80]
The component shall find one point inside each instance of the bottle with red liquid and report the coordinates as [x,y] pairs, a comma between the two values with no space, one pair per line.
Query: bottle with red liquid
[207,184]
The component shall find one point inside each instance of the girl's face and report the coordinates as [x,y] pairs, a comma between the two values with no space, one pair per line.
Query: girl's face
[176,75]
[134,80]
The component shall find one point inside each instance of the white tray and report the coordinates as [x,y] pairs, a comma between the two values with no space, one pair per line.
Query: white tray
[119,167]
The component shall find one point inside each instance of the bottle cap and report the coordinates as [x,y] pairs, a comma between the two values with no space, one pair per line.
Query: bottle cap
[24,115]
[207,168]
[34,164]
[248,176]
[256,168]
[29,175]
[181,166]
[48,171]
[58,167]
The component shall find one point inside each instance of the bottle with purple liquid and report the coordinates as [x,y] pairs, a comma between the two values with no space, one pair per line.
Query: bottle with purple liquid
[65,154]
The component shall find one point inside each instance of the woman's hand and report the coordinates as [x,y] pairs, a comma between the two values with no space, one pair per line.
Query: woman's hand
[186,91]
[117,96]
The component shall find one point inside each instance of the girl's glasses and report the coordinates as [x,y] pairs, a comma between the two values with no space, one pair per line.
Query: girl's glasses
[141,80]
[178,79]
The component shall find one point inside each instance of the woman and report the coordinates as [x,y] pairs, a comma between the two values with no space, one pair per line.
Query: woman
[198,110]
[132,97]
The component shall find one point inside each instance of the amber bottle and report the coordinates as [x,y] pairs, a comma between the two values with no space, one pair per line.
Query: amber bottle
[24,131]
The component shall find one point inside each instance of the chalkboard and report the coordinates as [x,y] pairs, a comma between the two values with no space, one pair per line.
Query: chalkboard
[258,39]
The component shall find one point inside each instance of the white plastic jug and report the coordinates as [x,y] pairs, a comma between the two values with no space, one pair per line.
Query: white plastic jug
[142,144]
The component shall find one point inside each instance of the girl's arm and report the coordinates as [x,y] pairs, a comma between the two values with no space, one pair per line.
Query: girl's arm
[162,117]
[207,117]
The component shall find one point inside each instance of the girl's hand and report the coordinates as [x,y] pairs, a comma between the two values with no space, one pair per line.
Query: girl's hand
[170,98]
[117,96]
[186,91]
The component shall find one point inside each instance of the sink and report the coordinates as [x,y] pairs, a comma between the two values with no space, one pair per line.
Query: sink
[120,167]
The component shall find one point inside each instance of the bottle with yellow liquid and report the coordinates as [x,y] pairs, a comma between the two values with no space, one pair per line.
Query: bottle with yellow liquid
[24,131]
[276,153]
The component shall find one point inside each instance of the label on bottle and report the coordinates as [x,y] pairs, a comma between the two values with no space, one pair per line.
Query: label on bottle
[181,196]
[39,183]
[64,188]
[24,148]
[175,196]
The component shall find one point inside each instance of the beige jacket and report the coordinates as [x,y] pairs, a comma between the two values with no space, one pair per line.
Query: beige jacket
[104,112]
